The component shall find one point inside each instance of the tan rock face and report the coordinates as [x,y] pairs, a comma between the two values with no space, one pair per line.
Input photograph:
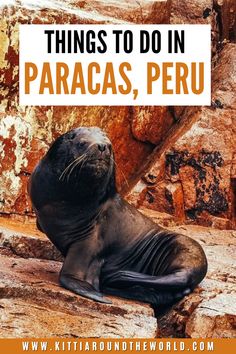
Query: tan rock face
[220,14]
[33,305]
[144,11]
[227,13]
[151,123]
[203,186]
[197,144]
[188,11]
[198,156]
[35,321]
[27,132]
[209,312]
[26,136]
[210,320]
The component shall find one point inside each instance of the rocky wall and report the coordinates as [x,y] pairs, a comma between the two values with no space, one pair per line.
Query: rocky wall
[26,132]
[33,305]
[188,153]
[193,175]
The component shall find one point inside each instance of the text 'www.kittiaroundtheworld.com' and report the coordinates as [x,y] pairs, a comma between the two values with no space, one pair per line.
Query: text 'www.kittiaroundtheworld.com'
[119,346]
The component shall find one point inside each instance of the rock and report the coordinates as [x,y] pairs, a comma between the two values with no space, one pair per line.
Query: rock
[199,191]
[174,193]
[27,132]
[21,319]
[132,11]
[163,219]
[214,318]
[198,12]
[27,245]
[227,16]
[220,14]
[33,305]
[188,11]
[152,198]
[64,12]
[199,156]
[203,186]
[208,312]
[151,123]
[31,300]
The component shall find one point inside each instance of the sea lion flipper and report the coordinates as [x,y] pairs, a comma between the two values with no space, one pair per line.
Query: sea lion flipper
[80,272]
[121,278]
[148,295]
[82,288]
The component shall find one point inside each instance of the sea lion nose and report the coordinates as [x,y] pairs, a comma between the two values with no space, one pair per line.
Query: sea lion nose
[101,147]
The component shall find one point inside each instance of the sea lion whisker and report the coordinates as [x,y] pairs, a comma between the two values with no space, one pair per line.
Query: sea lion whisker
[82,160]
[75,161]
[67,167]
[75,165]
[120,171]
[81,163]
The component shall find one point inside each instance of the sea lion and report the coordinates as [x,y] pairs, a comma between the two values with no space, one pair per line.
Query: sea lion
[108,245]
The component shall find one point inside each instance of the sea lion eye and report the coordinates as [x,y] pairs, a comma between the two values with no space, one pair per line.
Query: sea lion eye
[71,136]
[81,143]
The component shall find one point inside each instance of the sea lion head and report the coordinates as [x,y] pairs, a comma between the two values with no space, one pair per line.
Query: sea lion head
[83,162]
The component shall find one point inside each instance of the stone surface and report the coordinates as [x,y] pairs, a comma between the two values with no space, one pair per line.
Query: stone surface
[227,15]
[32,304]
[220,14]
[26,242]
[199,156]
[144,11]
[151,123]
[23,319]
[190,12]
[26,136]
[214,318]
[26,132]
[200,11]
[189,141]
[210,311]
